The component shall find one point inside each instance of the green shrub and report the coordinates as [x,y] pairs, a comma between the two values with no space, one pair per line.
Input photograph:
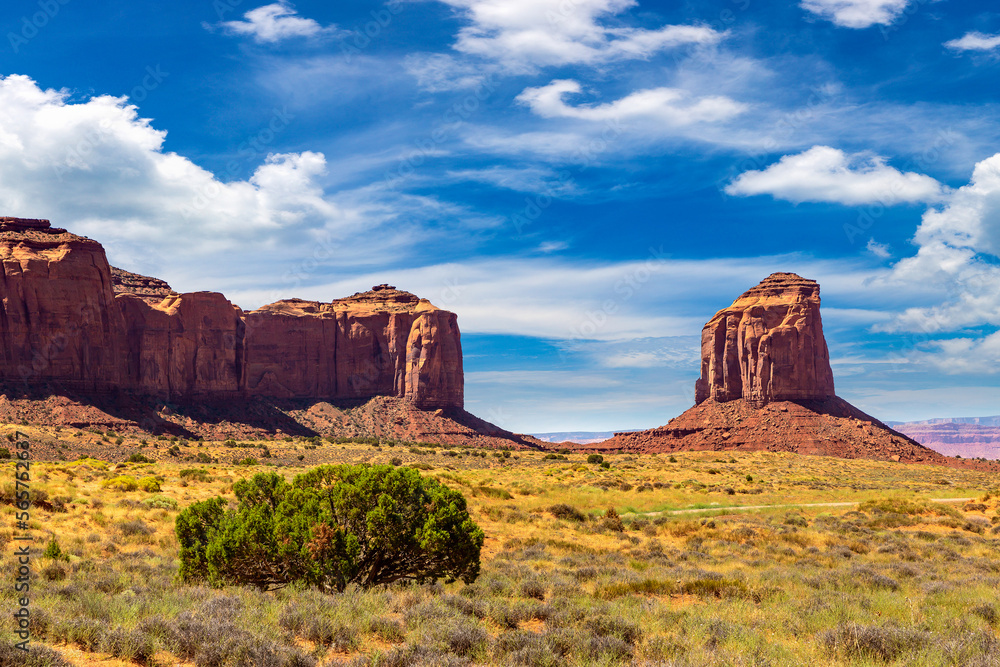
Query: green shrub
[149,484]
[4,453]
[595,458]
[139,457]
[159,503]
[492,492]
[332,526]
[121,483]
[54,551]
[196,475]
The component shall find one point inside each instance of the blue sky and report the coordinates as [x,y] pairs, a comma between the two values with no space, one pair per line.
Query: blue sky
[585,182]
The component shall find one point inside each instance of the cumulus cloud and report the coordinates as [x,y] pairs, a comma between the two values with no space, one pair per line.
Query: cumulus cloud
[968,355]
[974,41]
[824,174]
[524,34]
[667,105]
[98,168]
[958,250]
[276,22]
[857,13]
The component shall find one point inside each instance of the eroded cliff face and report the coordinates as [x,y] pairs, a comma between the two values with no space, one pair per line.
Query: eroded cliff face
[58,320]
[384,342]
[185,345]
[768,346]
[71,320]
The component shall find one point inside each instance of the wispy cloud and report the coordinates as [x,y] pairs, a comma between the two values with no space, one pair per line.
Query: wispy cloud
[857,13]
[526,34]
[666,105]
[975,41]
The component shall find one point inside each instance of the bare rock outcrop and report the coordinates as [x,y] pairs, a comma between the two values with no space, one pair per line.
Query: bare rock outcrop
[766,385]
[58,319]
[152,290]
[767,346]
[70,320]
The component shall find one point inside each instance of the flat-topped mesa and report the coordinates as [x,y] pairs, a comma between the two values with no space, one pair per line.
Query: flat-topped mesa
[768,346]
[382,342]
[68,319]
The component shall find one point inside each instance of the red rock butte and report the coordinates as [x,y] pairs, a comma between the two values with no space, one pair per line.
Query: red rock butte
[768,346]
[766,385]
[68,320]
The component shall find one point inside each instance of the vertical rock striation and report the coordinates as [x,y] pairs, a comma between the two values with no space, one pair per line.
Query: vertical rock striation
[69,319]
[768,346]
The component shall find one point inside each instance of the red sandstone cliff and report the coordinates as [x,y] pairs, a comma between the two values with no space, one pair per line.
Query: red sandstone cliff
[67,319]
[767,346]
[58,320]
[383,342]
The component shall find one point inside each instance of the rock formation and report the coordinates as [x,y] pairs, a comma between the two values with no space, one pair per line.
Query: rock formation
[58,318]
[968,437]
[767,346]
[68,320]
[766,385]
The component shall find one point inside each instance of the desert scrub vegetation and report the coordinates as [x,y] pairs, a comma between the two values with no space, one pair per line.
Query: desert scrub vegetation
[563,580]
[331,527]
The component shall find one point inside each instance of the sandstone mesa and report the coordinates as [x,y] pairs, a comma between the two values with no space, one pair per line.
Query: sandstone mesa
[69,320]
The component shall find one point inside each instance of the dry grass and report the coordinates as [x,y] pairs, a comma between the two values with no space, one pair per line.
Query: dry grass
[894,580]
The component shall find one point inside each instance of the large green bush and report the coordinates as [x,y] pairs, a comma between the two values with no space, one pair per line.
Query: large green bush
[332,526]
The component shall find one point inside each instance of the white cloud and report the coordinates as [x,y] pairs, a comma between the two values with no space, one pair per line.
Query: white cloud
[880,250]
[959,247]
[857,13]
[99,169]
[519,179]
[276,22]
[564,299]
[824,174]
[525,34]
[439,72]
[971,356]
[974,41]
[666,105]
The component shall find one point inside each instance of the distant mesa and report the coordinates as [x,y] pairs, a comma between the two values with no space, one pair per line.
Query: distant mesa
[766,385]
[968,437]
